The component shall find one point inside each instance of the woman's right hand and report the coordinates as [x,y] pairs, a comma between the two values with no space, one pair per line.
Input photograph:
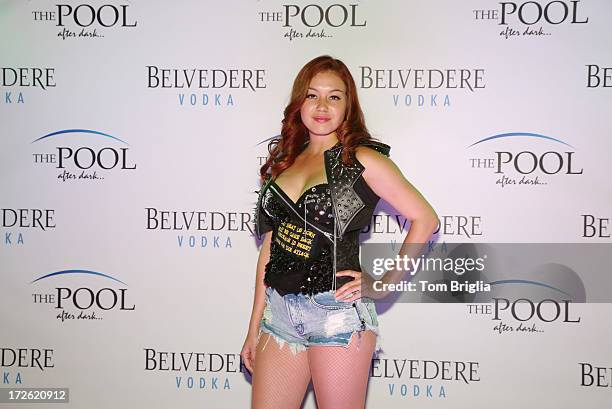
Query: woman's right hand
[248,351]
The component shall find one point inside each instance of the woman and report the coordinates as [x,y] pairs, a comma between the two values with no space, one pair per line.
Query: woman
[322,181]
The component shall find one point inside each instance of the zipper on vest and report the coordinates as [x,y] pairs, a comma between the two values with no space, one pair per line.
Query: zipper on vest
[333,240]
[289,205]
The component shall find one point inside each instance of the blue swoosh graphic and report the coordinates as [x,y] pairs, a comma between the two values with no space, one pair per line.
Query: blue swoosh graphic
[77,272]
[509,134]
[268,140]
[79,131]
[529,282]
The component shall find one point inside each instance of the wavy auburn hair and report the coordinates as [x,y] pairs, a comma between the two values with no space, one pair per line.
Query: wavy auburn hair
[294,134]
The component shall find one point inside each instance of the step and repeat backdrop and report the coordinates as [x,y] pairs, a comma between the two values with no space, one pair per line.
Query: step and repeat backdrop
[132,136]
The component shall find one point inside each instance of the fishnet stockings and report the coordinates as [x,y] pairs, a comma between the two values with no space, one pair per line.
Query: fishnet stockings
[279,377]
[339,375]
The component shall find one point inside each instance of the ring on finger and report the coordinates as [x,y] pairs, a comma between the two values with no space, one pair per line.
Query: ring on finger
[352,293]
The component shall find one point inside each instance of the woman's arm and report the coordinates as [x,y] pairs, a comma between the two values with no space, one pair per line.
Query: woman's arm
[387,181]
[259,300]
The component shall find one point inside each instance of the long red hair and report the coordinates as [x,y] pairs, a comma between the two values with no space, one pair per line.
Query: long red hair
[294,135]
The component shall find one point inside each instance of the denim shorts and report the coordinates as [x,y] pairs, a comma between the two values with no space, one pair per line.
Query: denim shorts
[305,320]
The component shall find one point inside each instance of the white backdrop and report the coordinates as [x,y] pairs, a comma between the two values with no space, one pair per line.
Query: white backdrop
[175,281]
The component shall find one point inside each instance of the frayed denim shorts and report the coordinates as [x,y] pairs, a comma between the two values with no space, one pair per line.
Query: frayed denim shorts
[306,320]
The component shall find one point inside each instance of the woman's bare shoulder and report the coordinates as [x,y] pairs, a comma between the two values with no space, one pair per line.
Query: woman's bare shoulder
[373,160]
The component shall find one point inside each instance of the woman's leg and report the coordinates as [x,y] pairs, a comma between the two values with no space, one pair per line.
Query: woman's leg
[280,378]
[340,375]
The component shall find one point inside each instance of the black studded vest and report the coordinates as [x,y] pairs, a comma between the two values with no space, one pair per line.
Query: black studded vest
[319,234]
